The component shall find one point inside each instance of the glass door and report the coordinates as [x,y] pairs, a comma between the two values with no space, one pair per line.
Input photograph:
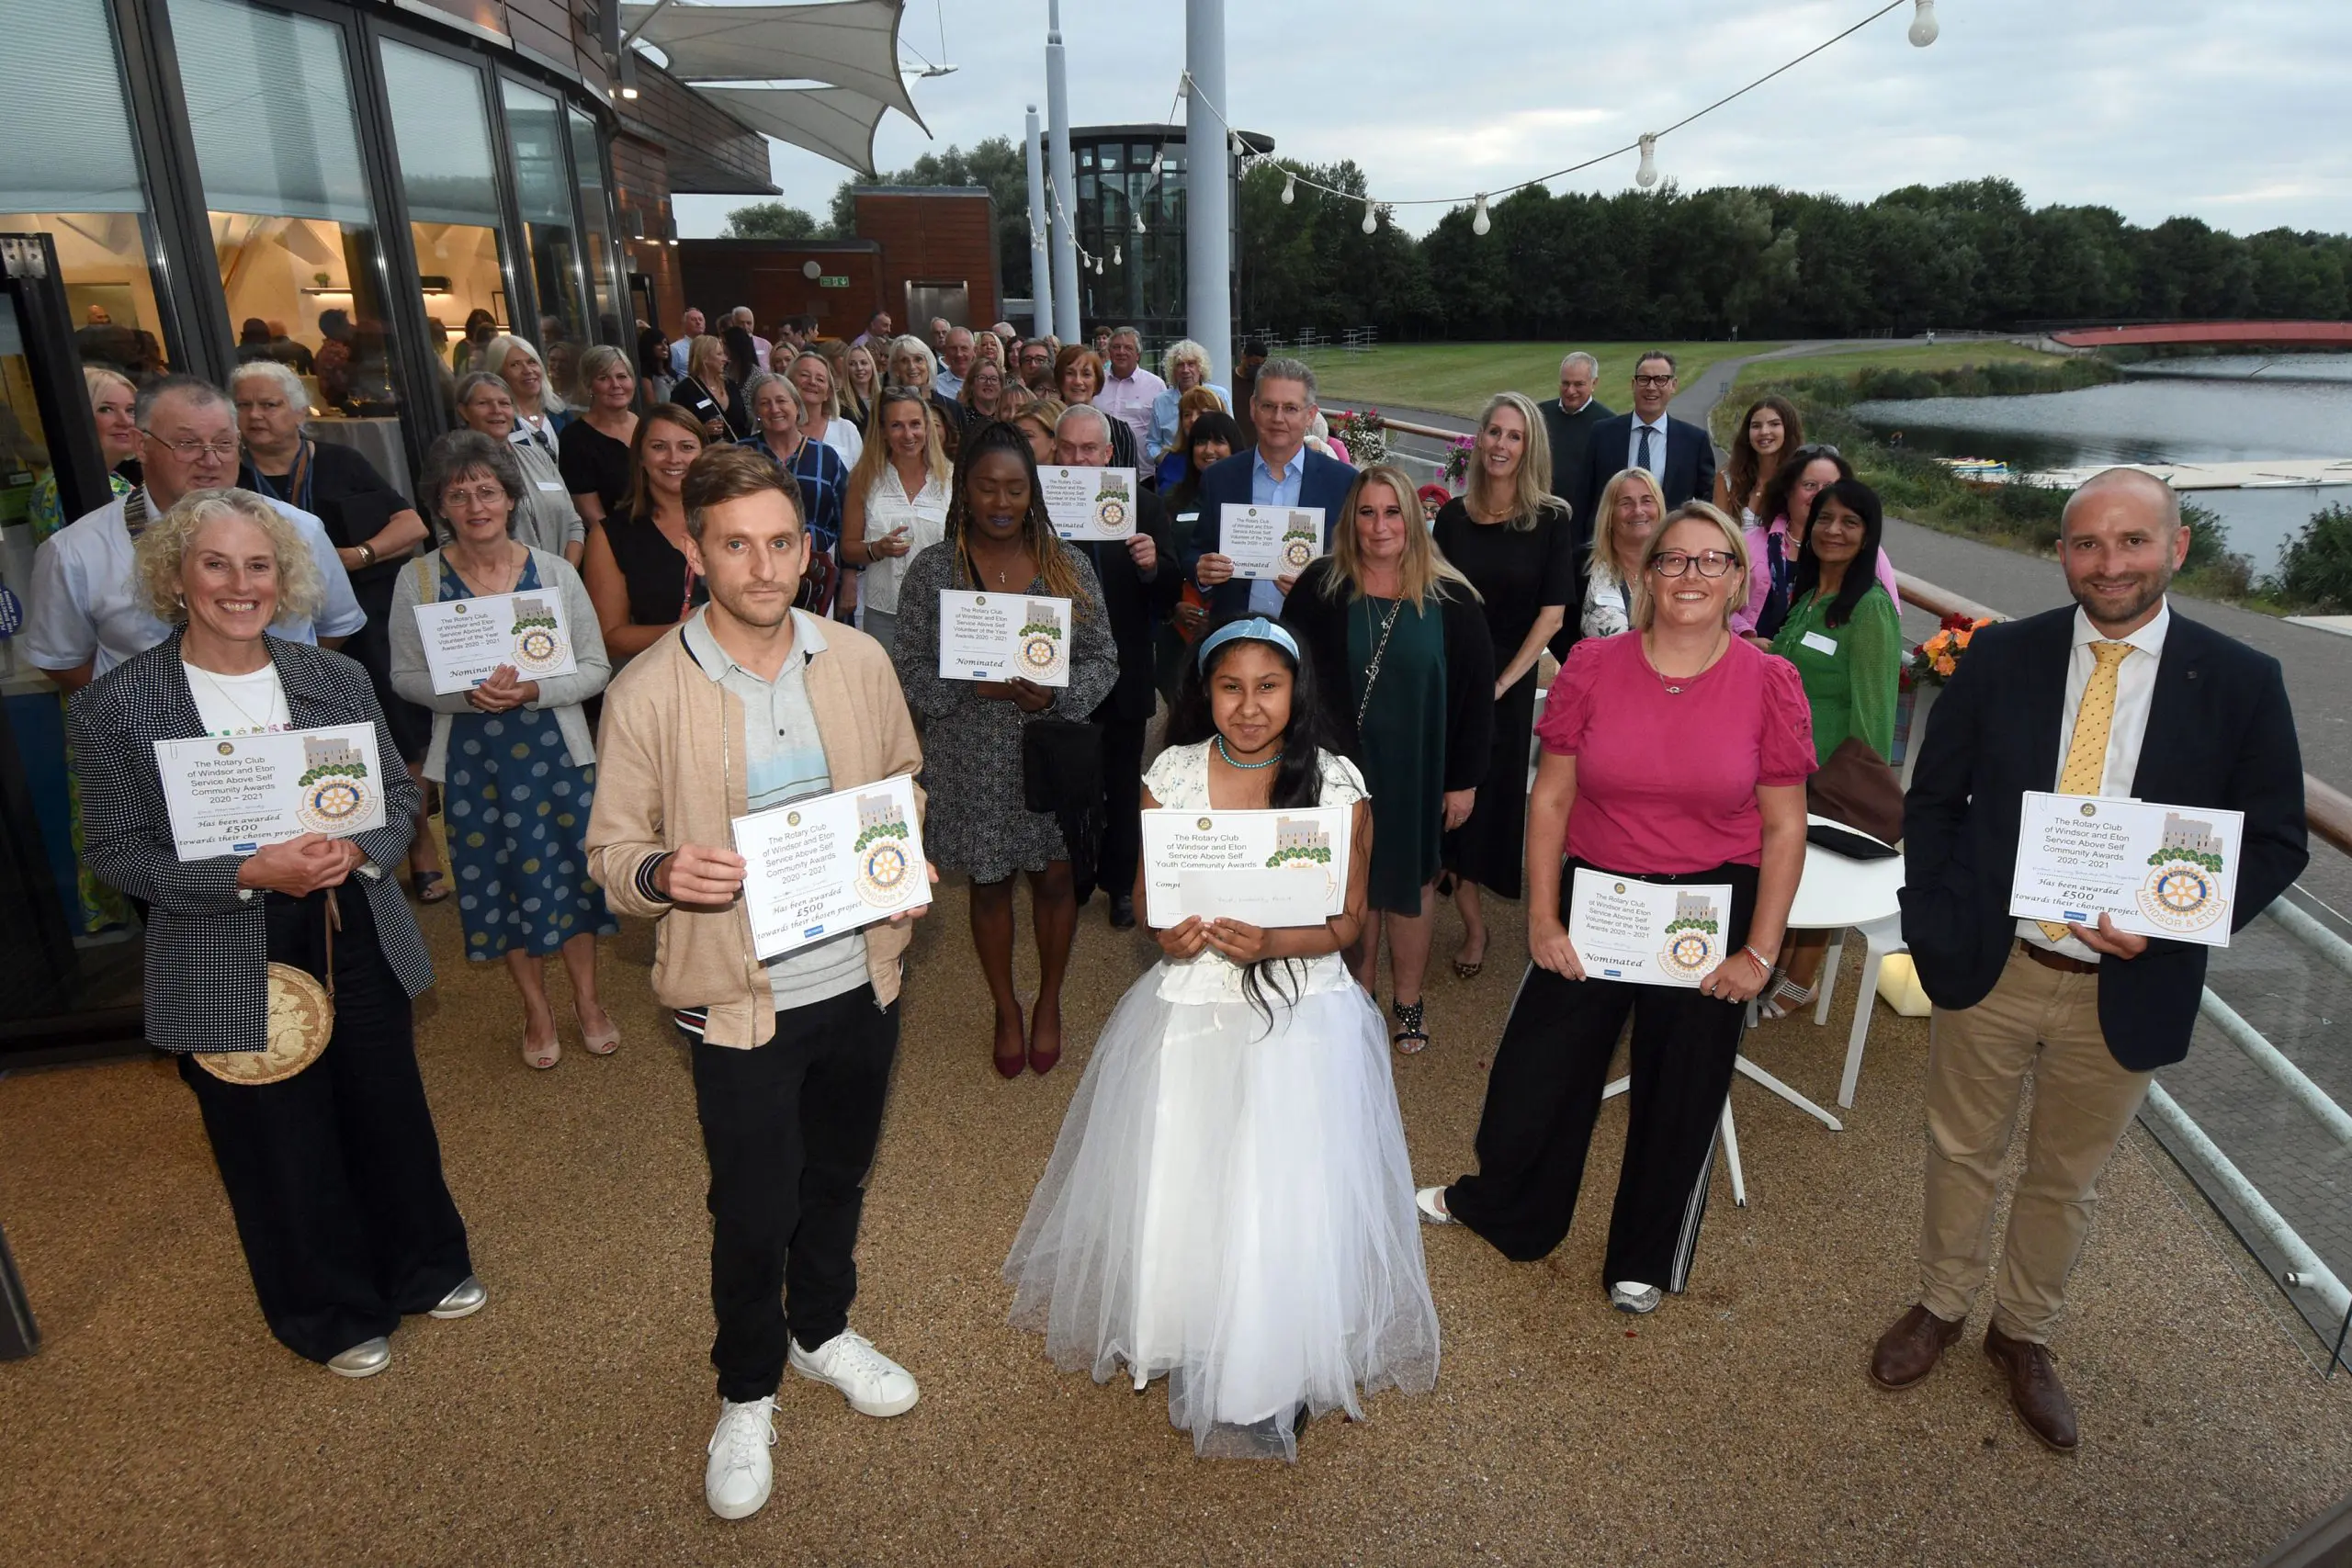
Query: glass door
[73,978]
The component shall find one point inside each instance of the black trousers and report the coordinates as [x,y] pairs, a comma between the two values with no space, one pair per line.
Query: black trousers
[790,1128]
[1121,806]
[1544,1095]
[335,1174]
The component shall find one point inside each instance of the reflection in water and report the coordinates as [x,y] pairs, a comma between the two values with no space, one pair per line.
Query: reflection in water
[2224,410]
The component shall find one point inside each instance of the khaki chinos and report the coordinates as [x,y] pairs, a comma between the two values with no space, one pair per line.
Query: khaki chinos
[2045,1022]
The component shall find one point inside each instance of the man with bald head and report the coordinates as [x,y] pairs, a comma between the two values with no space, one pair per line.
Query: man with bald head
[2118,696]
[1568,419]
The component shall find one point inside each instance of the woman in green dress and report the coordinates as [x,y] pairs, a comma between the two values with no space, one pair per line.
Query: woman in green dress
[1845,635]
[1398,637]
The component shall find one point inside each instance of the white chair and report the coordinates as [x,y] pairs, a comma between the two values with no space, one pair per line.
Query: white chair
[1838,894]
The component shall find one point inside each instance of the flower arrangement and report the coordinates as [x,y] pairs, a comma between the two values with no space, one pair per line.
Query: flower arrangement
[1934,661]
[1457,461]
[1362,432]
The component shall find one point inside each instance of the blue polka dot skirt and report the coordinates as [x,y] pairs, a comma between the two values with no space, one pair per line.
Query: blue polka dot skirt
[516,810]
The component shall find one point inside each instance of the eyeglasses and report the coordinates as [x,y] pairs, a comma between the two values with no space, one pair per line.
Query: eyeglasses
[1674,563]
[1816,449]
[191,450]
[1665,381]
[479,495]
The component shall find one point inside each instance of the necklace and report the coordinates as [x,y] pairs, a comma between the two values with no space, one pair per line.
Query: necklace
[1245,767]
[1673,687]
[227,694]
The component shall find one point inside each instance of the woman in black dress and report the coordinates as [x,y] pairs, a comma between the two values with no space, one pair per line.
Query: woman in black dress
[710,395]
[594,450]
[636,566]
[1514,544]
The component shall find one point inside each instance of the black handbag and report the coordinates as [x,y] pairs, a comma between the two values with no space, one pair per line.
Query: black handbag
[1061,775]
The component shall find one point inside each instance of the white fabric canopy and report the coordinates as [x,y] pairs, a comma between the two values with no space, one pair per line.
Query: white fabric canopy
[850,46]
[832,122]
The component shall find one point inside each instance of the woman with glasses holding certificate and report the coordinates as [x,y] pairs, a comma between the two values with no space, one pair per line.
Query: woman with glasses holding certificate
[1229,1203]
[1675,758]
[280,976]
[511,753]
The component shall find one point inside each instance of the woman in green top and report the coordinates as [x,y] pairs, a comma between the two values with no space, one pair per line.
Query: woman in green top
[1845,636]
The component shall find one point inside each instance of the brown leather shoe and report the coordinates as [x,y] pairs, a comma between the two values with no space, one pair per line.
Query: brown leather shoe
[2041,1399]
[1909,1350]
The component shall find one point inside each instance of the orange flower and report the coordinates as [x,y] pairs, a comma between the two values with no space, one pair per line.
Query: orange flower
[1946,664]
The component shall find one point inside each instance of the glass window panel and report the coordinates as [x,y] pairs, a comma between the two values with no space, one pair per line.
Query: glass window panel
[598,241]
[269,101]
[441,129]
[70,171]
[535,137]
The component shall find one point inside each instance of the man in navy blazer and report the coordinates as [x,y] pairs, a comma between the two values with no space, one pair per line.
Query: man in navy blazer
[1281,470]
[1680,454]
[2117,697]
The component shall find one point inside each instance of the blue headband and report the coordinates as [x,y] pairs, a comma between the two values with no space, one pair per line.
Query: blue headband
[1256,628]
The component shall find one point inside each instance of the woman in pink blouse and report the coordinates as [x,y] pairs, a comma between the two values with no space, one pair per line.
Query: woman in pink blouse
[1678,755]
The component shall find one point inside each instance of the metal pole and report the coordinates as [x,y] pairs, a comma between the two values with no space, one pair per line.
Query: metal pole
[1066,295]
[1209,223]
[1041,267]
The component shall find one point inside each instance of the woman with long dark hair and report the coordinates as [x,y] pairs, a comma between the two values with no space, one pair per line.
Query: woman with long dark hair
[1844,632]
[1769,430]
[1000,540]
[1229,1202]
[636,563]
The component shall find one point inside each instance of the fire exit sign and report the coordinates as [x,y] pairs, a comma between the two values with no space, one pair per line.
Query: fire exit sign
[832,283]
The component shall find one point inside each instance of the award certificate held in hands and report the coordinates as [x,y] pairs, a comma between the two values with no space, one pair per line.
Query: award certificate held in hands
[830,863]
[1269,541]
[231,795]
[1089,503]
[1266,868]
[2152,869]
[467,639]
[995,636]
[1652,933]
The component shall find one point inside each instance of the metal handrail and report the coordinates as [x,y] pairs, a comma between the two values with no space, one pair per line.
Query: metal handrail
[2327,811]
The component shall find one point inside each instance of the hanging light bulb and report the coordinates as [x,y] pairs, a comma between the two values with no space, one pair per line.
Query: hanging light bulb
[1646,175]
[1923,26]
[1139,227]
[1290,187]
[1098,267]
[1371,217]
[1117,258]
[1479,223]
[1233,137]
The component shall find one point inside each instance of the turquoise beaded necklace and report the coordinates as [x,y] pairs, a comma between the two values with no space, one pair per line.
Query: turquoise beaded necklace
[1245,767]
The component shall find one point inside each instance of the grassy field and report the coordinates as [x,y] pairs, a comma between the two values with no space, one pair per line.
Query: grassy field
[1458,378]
[1900,355]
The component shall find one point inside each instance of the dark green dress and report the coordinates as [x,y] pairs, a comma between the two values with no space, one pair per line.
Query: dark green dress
[1402,745]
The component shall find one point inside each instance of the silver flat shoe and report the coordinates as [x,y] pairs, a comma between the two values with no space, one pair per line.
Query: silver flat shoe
[363,1360]
[1634,1297]
[1430,1201]
[469,1297]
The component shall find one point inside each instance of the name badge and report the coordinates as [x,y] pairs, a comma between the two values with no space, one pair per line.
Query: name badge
[1820,644]
[549,484]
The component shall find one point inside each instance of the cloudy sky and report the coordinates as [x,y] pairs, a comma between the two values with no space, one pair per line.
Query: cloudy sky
[2229,110]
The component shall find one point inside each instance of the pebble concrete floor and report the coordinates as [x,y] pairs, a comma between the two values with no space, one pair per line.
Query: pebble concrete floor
[565,1423]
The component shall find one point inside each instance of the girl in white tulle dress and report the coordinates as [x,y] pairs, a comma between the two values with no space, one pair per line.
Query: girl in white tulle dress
[1229,1201]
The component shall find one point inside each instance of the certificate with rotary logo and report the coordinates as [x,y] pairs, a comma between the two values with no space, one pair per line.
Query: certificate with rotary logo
[1089,503]
[996,637]
[1266,868]
[1269,541]
[231,795]
[467,639]
[830,863]
[1648,933]
[2152,869]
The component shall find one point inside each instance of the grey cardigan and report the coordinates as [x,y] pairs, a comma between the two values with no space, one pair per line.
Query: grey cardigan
[564,694]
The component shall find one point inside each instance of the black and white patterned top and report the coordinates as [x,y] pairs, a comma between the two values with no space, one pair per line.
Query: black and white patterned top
[207,944]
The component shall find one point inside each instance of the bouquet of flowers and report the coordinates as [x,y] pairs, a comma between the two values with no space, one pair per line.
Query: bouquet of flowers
[1362,432]
[1934,661]
[1457,461]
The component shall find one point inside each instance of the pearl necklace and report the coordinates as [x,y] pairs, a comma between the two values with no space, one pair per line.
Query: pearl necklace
[1245,767]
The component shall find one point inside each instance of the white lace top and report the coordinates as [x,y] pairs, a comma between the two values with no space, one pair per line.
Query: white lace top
[1178,777]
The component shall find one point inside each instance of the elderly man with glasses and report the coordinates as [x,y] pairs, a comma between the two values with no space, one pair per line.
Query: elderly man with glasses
[89,612]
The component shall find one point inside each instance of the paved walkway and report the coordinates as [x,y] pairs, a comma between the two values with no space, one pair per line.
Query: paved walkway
[565,1423]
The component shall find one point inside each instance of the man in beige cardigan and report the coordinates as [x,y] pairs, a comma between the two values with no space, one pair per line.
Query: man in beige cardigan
[747,705]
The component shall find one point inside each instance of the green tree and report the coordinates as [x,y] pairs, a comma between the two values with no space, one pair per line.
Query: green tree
[774,221]
[996,164]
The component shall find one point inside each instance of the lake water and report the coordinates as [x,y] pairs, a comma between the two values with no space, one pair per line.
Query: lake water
[2230,408]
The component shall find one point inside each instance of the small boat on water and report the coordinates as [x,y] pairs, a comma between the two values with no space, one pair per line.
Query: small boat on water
[1982,472]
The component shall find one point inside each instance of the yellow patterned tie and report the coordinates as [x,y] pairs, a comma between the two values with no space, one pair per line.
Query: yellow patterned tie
[2086,765]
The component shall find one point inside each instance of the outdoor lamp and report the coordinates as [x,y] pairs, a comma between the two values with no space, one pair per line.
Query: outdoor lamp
[1923,26]
[1140,229]
[1479,221]
[1117,259]
[1290,187]
[1646,175]
[1371,217]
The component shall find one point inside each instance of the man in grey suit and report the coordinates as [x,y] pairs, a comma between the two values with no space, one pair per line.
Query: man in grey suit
[1568,419]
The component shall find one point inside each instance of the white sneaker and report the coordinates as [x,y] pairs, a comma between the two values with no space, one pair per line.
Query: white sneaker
[1631,1295]
[872,1382]
[1430,1201]
[740,1475]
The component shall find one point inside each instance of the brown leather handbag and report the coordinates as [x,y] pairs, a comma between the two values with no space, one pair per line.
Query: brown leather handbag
[1858,789]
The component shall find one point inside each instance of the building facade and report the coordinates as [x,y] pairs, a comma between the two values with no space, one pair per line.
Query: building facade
[1130,215]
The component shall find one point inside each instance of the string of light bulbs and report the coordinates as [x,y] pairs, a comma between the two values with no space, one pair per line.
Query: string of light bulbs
[1923,32]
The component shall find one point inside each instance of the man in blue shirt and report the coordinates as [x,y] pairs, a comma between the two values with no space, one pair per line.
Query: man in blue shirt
[1279,471]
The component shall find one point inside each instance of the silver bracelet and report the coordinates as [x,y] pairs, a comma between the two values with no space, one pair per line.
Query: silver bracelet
[1761,962]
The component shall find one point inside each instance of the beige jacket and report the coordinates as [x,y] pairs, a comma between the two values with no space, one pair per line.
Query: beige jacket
[659,773]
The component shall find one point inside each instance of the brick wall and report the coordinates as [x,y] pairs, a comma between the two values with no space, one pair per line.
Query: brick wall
[770,276]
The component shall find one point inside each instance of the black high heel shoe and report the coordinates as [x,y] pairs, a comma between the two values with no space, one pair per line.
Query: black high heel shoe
[1409,1038]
